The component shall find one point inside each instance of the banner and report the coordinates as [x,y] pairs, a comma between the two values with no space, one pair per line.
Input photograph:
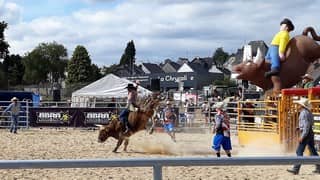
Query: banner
[75,117]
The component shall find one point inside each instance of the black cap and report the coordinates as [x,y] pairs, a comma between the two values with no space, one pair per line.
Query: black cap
[288,23]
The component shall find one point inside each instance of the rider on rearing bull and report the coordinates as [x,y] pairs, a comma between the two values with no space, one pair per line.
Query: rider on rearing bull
[276,51]
[131,106]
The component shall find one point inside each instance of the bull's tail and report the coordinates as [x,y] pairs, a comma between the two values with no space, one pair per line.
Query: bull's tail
[313,33]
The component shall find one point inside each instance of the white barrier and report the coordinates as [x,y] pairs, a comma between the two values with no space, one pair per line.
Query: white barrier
[156,163]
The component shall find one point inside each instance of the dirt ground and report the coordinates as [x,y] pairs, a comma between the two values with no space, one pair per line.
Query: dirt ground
[51,143]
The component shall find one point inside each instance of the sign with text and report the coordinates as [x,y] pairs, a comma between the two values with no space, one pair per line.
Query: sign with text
[96,117]
[76,117]
[53,117]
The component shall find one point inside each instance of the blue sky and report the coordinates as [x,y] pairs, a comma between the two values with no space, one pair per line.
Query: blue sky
[160,29]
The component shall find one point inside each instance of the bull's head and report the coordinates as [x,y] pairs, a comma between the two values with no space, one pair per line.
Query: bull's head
[103,133]
[253,72]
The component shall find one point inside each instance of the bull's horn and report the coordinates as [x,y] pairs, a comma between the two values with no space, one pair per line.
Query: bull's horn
[261,63]
[99,125]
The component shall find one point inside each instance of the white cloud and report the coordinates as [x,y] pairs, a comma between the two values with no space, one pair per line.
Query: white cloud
[10,12]
[162,29]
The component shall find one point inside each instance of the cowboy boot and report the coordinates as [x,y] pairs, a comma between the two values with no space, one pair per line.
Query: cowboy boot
[270,73]
[126,125]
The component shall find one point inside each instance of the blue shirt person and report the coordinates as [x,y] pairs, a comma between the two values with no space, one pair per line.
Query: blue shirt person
[14,108]
[306,134]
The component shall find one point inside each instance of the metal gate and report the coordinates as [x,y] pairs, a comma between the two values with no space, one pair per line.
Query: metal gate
[5,118]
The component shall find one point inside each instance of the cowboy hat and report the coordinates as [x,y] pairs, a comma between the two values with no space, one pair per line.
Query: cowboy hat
[14,99]
[307,76]
[288,22]
[130,86]
[218,105]
[303,102]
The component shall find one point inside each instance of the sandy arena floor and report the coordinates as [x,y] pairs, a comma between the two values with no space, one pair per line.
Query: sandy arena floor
[82,144]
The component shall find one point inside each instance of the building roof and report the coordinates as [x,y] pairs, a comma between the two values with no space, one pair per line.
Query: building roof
[198,68]
[125,71]
[181,61]
[170,66]
[206,62]
[152,68]
[193,67]
[185,68]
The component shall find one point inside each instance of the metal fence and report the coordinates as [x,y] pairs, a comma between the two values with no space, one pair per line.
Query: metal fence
[23,118]
[156,163]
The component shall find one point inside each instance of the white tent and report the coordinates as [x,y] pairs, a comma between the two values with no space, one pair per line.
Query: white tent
[110,86]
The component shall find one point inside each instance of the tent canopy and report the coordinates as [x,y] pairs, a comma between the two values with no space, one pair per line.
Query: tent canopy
[108,87]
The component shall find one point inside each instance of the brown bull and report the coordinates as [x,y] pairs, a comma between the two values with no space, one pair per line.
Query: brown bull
[137,120]
[301,52]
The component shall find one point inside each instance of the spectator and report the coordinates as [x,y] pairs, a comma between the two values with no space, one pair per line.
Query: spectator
[222,130]
[205,108]
[239,93]
[306,134]
[248,111]
[14,108]
[307,81]
[190,110]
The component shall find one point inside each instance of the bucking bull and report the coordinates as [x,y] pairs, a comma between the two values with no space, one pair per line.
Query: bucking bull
[137,120]
[300,53]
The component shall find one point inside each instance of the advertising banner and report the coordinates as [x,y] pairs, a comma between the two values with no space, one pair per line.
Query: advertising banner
[75,117]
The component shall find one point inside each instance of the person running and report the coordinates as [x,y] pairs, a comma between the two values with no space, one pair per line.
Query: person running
[168,120]
[222,131]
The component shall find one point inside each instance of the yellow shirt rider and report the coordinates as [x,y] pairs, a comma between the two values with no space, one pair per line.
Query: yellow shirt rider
[278,47]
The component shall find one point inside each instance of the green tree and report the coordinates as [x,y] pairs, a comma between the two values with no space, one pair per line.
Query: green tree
[2,77]
[79,67]
[128,57]
[107,70]
[225,82]
[220,57]
[56,54]
[46,62]
[96,74]
[13,69]
[3,53]
[3,44]
[36,68]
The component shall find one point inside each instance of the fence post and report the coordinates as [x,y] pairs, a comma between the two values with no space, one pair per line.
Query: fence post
[157,172]
[27,115]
